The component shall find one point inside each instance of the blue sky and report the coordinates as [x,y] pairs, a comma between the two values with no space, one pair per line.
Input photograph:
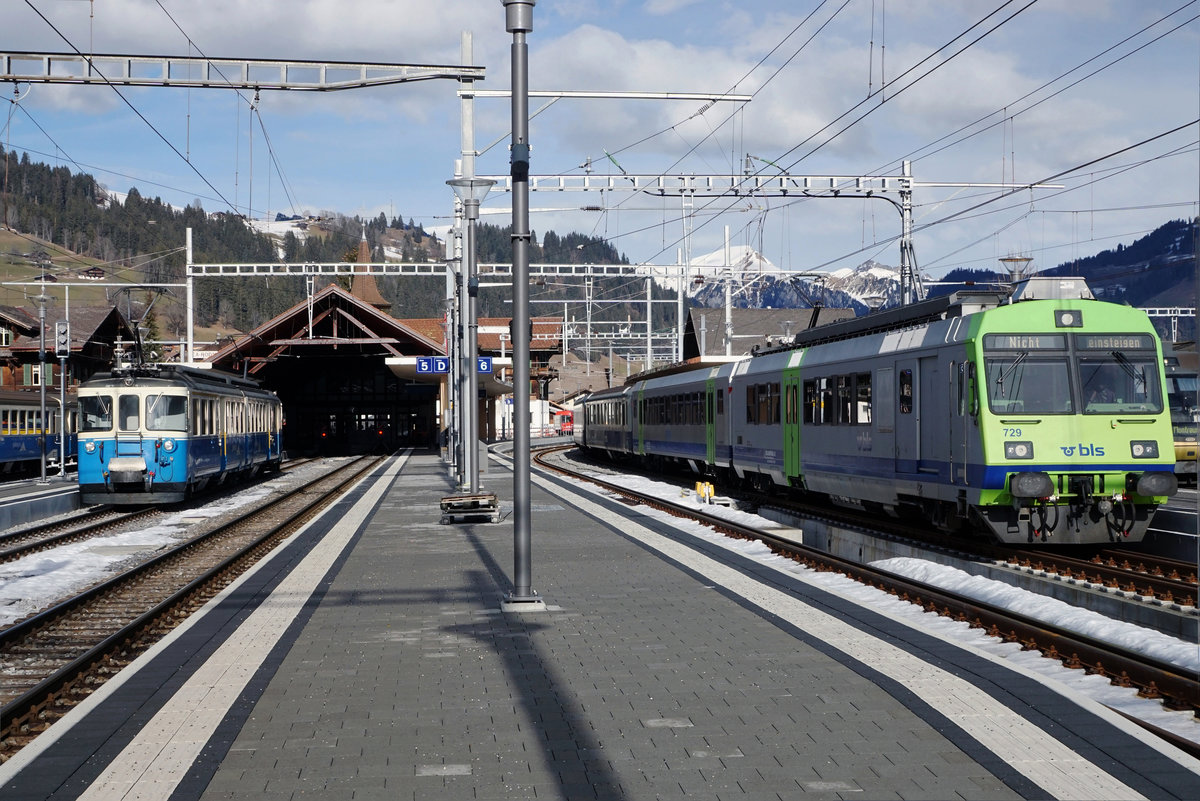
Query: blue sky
[1038,89]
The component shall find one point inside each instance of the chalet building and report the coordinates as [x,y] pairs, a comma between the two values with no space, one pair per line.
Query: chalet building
[95,333]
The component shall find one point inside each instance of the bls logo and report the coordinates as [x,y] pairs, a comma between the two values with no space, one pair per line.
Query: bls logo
[1083,450]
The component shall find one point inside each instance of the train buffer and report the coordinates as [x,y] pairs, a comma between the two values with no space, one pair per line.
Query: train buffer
[470,506]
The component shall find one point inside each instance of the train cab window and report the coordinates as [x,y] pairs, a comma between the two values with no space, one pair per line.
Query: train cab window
[1122,382]
[166,412]
[1024,384]
[128,418]
[95,413]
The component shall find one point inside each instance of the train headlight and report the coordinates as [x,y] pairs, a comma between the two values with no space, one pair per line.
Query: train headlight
[89,447]
[1018,450]
[1144,449]
[1156,483]
[168,445]
[1031,485]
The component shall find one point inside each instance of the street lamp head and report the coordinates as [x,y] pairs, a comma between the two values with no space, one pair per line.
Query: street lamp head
[518,15]
[471,191]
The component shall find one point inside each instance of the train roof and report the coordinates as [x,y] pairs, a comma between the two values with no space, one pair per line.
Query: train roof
[174,374]
[956,304]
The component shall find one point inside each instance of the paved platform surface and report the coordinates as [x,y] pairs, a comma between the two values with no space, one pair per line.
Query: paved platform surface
[370,659]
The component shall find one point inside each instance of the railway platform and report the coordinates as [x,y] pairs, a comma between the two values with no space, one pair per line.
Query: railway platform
[369,659]
[28,499]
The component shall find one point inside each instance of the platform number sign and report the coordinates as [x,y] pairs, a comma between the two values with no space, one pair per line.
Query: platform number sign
[483,364]
[433,364]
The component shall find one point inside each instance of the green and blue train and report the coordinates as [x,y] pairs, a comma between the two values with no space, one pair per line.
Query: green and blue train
[1031,415]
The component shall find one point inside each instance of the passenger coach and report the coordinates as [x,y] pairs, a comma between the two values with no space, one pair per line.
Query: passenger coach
[156,434]
[1039,417]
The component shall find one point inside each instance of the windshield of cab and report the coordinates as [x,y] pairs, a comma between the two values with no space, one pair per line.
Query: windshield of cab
[1054,374]
[95,413]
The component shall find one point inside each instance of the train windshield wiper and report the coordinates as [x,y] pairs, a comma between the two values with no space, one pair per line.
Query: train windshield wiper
[1130,369]
[1008,371]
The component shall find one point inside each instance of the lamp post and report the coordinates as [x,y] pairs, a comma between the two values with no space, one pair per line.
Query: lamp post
[518,18]
[41,300]
[471,191]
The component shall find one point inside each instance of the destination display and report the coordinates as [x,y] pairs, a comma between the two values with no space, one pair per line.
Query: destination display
[1114,342]
[1025,341]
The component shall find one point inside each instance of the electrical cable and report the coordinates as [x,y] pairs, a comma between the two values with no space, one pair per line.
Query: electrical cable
[131,106]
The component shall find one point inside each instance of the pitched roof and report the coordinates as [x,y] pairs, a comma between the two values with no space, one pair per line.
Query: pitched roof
[340,322]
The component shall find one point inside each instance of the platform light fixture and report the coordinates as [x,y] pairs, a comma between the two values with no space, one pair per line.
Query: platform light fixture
[471,192]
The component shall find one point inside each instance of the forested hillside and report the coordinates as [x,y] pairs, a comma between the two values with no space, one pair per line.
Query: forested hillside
[141,239]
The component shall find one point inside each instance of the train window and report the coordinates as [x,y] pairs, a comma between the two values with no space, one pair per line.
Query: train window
[845,409]
[166,412]
[95,413]
[1018,383]
[906,392]
[720,400]
[128,418]
[810,401]
[825,385]
[1124,382]
[862,398]
[764,404]
[751,404]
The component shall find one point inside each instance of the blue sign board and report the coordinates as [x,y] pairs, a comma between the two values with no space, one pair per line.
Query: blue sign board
[433,364]
[483,364]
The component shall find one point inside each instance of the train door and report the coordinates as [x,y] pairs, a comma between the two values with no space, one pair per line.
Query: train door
[639,415]
[934,442]
[908,419]
[791,419]
[710,422]
[957,405]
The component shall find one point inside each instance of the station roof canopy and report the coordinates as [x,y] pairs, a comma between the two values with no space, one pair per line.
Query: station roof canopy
[333,322]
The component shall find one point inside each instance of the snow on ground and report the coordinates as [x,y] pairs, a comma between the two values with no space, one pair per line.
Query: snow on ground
[35,582]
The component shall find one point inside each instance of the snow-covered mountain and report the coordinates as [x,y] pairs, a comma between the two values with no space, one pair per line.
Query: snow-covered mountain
[756,283]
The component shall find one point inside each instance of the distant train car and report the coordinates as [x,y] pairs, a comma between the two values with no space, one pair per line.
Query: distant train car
[1181,367]
[604,424]
[1039,417]
[564,422]
[21,430]
[155,434]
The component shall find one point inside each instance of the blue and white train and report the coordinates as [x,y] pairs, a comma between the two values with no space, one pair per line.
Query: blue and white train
[21,431]
[1039,417]
[156,434]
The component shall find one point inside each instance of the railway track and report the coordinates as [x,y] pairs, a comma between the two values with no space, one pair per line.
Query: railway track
[85,524]
[1152,678]
[51,661]
[31,539]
